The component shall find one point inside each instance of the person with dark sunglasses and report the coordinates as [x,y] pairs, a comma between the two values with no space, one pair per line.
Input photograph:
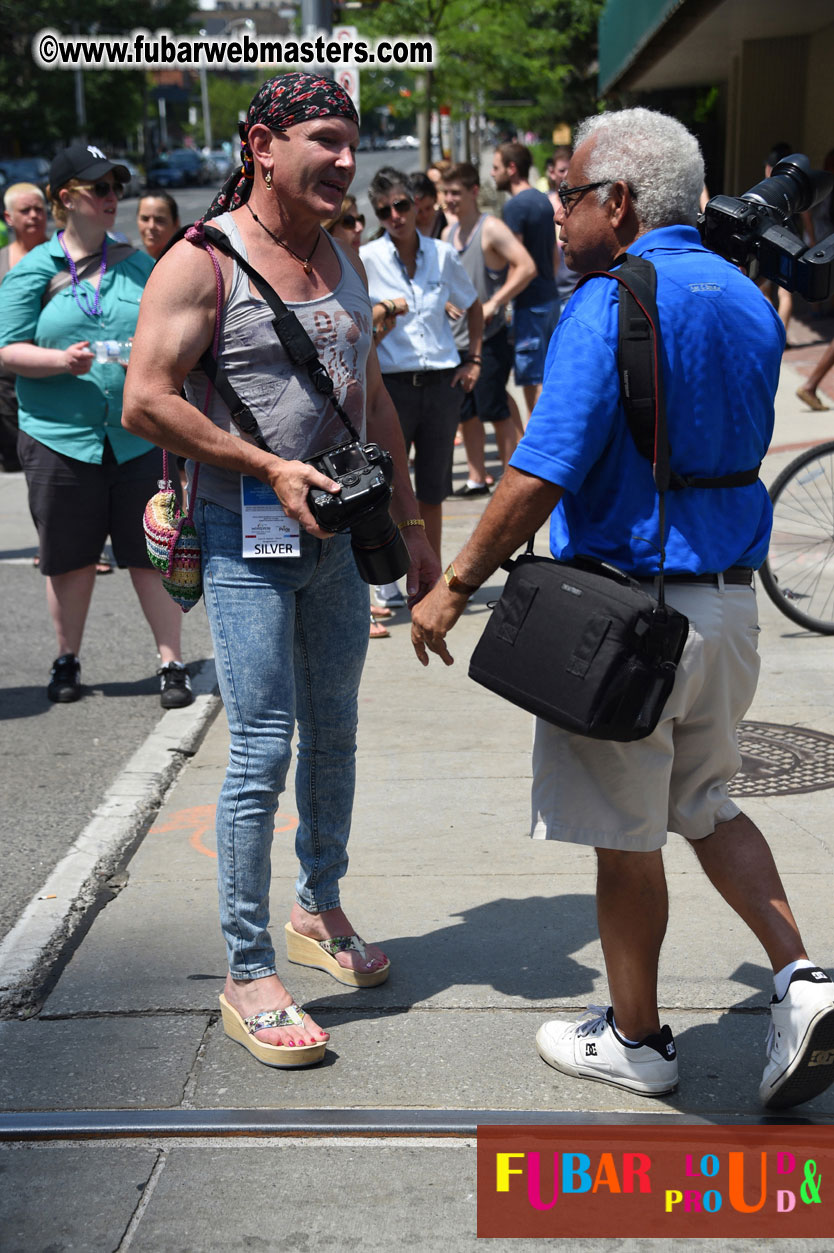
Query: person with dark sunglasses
[87,477]
[346,228]
[420,363]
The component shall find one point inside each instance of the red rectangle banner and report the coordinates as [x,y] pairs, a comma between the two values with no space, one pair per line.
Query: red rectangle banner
[655,1181]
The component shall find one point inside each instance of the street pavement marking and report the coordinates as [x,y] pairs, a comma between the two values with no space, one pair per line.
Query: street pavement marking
[47,921]
[198,821]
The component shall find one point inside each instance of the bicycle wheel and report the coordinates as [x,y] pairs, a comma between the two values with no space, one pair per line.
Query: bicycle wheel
[798,574]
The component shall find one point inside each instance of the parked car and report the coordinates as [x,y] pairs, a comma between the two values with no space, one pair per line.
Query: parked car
[136,183]
[163,173]
[23,170]
[219,164]
[183,167]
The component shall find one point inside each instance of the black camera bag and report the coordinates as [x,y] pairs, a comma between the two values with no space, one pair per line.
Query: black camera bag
[582,646]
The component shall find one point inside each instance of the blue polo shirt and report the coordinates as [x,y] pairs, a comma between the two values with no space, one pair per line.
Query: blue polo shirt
[722,348]
[72,415]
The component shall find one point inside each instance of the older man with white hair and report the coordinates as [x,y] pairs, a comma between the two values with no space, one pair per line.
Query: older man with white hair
[24,207]
[633,187]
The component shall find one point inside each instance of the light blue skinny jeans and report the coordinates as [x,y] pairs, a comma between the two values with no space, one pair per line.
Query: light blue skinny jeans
[290,636]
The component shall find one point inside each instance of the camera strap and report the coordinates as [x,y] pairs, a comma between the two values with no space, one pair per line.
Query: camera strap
[297,343]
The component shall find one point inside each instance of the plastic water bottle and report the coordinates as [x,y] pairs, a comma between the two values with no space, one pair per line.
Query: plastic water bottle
[115,351]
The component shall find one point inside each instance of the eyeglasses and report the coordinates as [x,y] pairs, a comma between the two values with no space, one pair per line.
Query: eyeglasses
[402,206]
[349,220]
[102,190]
[568,194]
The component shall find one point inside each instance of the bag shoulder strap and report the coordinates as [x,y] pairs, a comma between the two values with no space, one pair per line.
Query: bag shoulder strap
[641,376]
[297,343]
[116,252]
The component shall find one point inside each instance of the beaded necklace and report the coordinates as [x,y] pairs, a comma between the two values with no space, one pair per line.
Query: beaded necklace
[92,308]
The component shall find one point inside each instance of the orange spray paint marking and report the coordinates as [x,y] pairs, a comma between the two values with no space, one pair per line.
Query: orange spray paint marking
[198,820]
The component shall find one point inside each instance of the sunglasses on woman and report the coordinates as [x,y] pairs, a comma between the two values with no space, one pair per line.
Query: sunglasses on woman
[349,220]
[102,190]
[402,206]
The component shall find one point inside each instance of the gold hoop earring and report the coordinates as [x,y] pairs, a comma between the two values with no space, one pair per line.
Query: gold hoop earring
[268,180]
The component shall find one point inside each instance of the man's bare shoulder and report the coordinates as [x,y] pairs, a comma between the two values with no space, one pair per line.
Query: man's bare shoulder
[186,275]
[495,233]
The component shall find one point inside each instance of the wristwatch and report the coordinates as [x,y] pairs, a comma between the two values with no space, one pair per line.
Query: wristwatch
[455,584]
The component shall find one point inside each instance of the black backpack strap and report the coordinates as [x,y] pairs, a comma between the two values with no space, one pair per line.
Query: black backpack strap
[242,415]
[638,363]
[641,375]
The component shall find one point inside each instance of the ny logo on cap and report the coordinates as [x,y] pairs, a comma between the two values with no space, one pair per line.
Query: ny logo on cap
[96,152]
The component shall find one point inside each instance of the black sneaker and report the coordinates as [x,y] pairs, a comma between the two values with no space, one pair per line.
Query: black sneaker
[176,686]
[65,679]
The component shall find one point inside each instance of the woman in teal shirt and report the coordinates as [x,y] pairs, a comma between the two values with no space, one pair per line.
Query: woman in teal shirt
[87,477]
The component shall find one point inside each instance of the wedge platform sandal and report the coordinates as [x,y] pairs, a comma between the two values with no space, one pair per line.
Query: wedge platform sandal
[321,955]
[284,1056]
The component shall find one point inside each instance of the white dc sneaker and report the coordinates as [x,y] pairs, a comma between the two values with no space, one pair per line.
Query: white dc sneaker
[800,1042]
[592,1049]
[389,596]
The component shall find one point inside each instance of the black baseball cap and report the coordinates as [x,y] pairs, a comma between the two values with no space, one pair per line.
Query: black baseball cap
[85,162]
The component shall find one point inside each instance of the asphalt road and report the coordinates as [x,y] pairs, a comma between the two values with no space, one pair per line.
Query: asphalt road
[193,201]
[58,761]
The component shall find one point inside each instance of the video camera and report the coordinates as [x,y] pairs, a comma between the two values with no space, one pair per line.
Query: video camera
[749,230]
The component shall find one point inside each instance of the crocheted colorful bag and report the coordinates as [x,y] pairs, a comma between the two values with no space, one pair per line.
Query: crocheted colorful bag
[172,542]
[170,535]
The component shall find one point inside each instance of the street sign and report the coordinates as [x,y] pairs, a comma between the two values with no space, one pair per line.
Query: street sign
[349,80]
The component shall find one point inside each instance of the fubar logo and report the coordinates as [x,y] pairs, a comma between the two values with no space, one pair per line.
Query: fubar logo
[655,1181]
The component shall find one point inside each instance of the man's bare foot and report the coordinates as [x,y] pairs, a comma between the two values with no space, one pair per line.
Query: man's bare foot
[326,926]
[253,996]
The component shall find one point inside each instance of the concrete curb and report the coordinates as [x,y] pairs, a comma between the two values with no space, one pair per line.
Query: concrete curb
[57,911]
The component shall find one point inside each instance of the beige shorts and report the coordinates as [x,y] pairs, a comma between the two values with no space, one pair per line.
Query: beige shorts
[628,796]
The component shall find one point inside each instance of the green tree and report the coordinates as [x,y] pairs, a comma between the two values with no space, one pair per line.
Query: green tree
[37,107]
[491,53]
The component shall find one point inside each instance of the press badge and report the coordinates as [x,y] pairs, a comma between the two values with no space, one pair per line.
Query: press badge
[267,531]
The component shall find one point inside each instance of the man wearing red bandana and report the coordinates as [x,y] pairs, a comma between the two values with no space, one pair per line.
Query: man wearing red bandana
[290,632]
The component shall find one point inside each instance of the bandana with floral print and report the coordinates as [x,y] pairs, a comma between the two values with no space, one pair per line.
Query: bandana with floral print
[282,102]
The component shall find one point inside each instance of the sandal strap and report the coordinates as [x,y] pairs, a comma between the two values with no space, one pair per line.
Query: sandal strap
[343,944]
[292,1016]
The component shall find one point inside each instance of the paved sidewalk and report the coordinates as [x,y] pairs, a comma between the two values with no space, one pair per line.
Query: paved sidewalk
[488,934]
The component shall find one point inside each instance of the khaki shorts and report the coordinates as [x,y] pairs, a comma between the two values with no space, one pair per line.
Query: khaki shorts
[627,796]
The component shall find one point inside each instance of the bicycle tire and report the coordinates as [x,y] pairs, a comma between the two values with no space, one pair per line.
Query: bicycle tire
[798,574]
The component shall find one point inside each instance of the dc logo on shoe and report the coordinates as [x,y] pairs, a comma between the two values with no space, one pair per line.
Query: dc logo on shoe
[590,1050]
[820,976]
[670,1050]
[822,1057]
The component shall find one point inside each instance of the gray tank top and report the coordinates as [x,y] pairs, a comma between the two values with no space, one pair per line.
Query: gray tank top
[485,281]
[295,420]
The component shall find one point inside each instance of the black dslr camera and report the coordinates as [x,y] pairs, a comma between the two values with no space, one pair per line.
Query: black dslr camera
[749,230]
[365,472]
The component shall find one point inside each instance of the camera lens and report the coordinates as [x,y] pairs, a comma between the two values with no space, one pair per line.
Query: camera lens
[378,548]
[792,187]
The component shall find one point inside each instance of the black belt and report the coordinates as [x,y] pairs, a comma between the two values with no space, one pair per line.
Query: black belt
[420,378]
[739,576]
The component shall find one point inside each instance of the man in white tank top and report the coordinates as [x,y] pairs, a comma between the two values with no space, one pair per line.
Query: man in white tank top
[290,632]
[500,267]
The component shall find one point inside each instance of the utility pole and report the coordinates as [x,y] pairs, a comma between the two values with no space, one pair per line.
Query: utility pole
[316,15]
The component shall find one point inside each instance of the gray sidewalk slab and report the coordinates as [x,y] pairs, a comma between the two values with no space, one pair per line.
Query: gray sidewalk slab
[488,933]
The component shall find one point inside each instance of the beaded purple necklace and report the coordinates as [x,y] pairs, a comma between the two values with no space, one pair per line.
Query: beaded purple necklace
[92,308]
